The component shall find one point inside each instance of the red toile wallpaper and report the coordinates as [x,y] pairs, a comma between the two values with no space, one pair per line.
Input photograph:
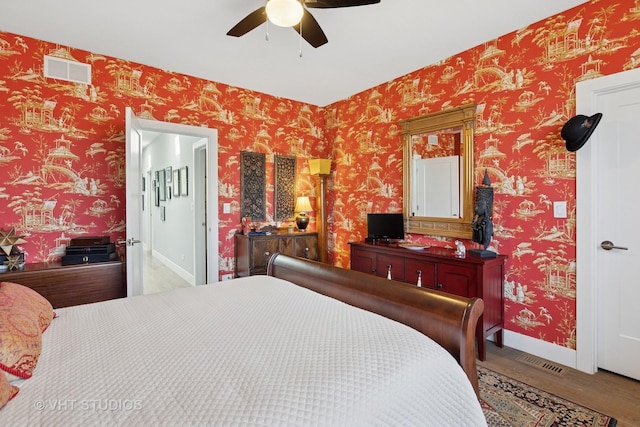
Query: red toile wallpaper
[524,86]
[62,145]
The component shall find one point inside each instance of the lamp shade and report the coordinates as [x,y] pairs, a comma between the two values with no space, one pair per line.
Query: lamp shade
[303,204]
[284,13]
[320,166]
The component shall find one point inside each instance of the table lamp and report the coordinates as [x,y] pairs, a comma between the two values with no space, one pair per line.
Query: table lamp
[303,205]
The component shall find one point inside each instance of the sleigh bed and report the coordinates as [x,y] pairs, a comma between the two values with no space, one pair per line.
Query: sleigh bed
[260,350]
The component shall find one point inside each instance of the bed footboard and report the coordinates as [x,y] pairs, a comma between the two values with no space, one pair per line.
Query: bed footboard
[449,320]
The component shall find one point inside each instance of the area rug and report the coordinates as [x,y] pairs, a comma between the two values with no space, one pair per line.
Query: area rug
[510,403]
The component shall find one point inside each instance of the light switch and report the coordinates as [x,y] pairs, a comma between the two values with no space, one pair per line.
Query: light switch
[560,209]
[226,208]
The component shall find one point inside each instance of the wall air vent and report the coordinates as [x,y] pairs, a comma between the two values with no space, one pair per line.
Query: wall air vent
[63,69]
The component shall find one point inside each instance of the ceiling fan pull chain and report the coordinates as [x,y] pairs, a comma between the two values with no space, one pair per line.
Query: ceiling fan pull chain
[300,38]
[266,37]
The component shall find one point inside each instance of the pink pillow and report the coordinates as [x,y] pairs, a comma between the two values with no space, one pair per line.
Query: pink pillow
[19,295]
[20,342]
[24,315]
[7,391]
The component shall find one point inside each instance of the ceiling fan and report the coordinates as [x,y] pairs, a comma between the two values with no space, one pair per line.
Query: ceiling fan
[303,22]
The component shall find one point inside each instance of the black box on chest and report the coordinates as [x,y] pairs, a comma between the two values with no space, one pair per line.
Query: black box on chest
[92,249]
[88,258]
[88,253]
[90,241]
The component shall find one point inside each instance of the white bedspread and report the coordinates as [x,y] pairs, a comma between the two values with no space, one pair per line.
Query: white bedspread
[253,351]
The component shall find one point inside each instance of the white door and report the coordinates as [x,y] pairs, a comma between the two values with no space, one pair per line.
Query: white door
[610,252]
[134,203]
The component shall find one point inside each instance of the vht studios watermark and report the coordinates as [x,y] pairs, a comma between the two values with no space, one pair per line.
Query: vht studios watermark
[96,405]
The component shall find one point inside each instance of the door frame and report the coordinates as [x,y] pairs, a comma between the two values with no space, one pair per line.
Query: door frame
[210,147]
[587,93]
[147,242]
[203,258]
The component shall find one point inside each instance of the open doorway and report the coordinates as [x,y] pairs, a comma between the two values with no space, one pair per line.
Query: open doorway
[176,229]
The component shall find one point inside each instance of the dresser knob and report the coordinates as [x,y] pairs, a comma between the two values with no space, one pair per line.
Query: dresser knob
[439,286]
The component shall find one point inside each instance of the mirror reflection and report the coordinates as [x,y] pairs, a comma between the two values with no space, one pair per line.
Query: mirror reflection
[435,179]
[438,187]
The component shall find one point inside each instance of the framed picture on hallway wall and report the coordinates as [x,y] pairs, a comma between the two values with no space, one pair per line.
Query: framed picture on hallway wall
[184,181]
[176,183]
[162,184]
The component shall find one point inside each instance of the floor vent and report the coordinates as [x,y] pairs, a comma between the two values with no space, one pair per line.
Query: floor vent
[63,69]
[542,364]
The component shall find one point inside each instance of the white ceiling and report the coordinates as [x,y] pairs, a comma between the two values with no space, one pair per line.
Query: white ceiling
[368,45]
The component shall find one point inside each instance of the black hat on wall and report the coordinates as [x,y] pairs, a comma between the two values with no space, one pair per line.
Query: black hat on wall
[578,129]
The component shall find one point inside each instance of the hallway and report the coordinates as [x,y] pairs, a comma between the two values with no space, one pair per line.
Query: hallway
[157,277]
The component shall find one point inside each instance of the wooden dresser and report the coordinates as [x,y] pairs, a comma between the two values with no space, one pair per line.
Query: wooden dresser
[69,285]
[253,252]
[440,269]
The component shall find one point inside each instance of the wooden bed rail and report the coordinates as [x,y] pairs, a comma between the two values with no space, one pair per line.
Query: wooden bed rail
[449,320]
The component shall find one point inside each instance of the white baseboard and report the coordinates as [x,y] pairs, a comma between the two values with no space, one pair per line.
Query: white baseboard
[190,278]
[546,350]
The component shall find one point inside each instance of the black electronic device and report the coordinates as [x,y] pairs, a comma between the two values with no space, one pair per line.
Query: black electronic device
[385,226]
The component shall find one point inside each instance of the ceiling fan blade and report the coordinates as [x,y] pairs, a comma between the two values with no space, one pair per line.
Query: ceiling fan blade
[328,4]
[311,30]
[251,21]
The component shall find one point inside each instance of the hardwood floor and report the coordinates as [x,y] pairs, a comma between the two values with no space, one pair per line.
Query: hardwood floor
[609,393]
[157,277]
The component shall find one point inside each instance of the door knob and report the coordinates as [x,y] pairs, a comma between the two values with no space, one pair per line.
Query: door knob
[128,242]
[607,245]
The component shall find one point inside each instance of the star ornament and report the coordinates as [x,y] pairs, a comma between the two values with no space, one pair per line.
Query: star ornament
[8,239]
[13,262]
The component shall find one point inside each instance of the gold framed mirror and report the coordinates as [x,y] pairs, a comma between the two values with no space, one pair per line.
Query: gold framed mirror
[438,172]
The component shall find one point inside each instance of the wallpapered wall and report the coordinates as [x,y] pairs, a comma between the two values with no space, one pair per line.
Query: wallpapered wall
[524,86]
[62,145]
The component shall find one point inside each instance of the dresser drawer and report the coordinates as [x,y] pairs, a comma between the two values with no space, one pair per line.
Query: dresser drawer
[252,253]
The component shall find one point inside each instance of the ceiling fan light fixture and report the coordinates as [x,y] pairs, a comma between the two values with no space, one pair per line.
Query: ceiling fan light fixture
[284,13]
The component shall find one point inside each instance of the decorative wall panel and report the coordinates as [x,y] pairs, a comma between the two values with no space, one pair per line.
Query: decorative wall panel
[253,186]
[284,187]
